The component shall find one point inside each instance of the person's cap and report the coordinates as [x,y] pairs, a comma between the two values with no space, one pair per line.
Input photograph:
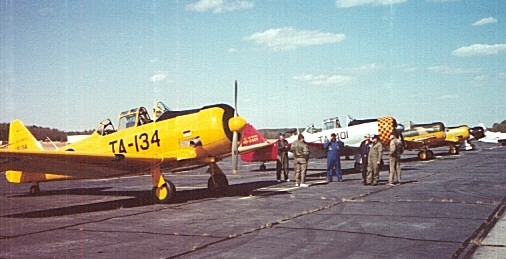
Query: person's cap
[366,136]
[376,137]
[282,133]
[333,134]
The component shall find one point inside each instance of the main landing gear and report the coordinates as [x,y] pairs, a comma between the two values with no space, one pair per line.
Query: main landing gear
[218,180]
[454,150]
[425,155]
[163,190]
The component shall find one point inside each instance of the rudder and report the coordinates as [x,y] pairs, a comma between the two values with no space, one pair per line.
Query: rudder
[20,138]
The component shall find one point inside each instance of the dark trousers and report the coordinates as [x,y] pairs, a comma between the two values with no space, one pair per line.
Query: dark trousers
[363,169]
[282,165]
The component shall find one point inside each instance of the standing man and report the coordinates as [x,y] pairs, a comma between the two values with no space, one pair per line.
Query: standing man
[374,160]
[395,159]
[282,159]
[300,152]
[333,157]
[365,145]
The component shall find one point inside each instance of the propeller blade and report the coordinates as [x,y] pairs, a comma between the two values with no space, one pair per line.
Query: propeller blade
[235,152]
[235,137]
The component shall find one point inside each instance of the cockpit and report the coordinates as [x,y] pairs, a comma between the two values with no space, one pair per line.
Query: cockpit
[159,109]
[133,118]
[105,128]
[332,123]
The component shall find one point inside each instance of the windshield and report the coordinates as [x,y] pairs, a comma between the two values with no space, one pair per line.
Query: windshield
[105,127]
[331,124]
[159,109]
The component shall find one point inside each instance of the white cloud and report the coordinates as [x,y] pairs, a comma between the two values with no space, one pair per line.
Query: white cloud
[218,6]
[480,50]
[353,3]
[485,21]
[406,68]
[232,50]
[449,97]
[161,76]
[46,11]
[288,38]
[447,70]
[324,80]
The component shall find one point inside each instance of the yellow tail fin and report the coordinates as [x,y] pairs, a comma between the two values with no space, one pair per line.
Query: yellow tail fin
[20,137]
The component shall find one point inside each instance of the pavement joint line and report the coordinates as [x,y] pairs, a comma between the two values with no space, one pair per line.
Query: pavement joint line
[375,234]
[469,246]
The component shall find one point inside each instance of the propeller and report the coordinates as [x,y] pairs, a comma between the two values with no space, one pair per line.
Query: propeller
[236,124]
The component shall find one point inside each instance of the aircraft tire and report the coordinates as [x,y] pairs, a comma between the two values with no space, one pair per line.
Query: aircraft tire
[34,189]
[422,155]
[454,151]
[220,182]
[430,154]
[263,168]
[165,193]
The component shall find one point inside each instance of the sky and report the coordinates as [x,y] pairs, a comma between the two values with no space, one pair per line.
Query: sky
[70,64]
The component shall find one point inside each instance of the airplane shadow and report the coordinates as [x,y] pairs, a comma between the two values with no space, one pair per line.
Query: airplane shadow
[137,198]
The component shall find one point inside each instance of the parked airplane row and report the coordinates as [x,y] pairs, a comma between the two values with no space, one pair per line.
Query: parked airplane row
[421,137]
[179,140]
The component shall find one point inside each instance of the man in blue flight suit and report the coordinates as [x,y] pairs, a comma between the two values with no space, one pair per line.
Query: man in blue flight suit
[333,158]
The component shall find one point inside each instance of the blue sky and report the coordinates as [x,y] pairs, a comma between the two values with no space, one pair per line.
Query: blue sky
[71,64]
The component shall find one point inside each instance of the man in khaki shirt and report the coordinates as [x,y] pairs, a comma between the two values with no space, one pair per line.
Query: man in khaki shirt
[374,160]
[300,152]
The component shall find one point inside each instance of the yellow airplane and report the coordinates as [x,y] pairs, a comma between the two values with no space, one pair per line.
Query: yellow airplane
[173,141]
[422,137]
[455,137]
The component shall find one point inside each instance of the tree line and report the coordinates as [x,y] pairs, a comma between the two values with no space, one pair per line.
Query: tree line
[499,127]
[42,133]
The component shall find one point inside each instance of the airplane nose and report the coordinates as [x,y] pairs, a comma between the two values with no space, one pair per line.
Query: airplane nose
[236,124]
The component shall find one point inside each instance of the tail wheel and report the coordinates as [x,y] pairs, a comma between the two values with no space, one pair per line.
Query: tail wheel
[164,193]
[422,155]
[263,167]
[454,150]
[34,189]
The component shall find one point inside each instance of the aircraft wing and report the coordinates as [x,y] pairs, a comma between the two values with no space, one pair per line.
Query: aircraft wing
[421,139]
[86,164]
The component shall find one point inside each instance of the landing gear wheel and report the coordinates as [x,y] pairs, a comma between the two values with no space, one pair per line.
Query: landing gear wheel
[34,189]
[430,154]
[263,168]
[422,155]
[217,182]
[454,151]
[164,193]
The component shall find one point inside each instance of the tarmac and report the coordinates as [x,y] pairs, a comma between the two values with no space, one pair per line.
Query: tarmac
[449,207]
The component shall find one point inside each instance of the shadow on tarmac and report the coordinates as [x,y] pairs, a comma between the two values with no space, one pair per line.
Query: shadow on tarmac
[136,198]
